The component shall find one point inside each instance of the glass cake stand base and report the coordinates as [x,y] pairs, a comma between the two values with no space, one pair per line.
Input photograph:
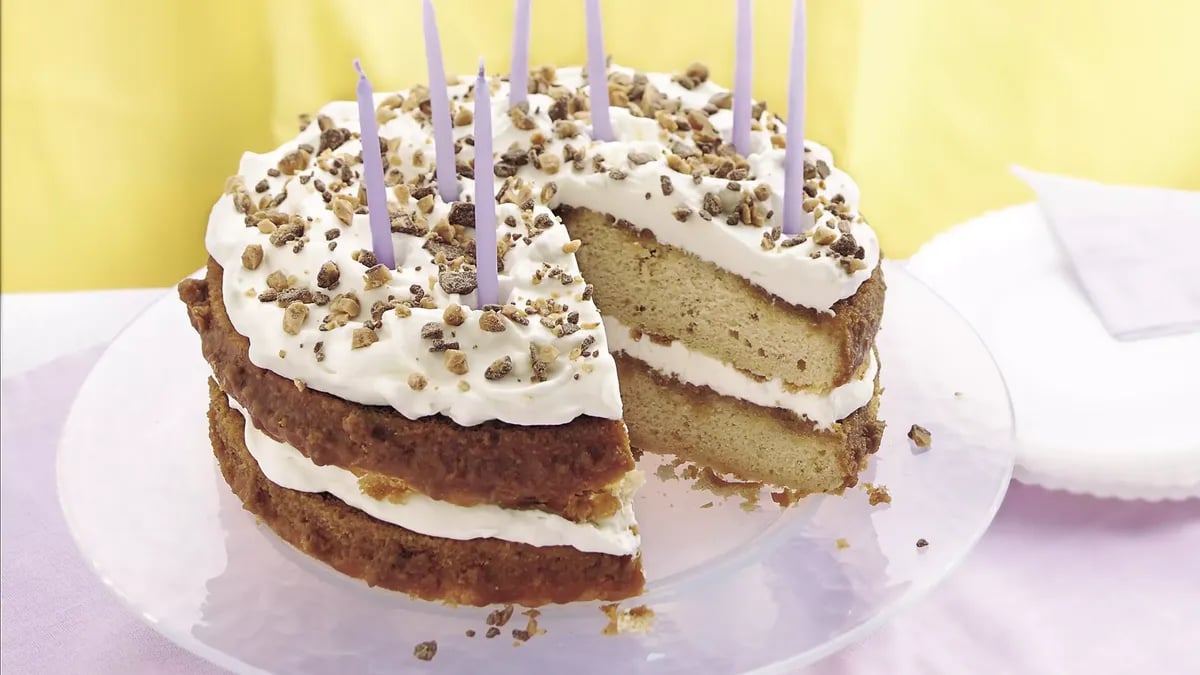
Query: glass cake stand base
[734,587]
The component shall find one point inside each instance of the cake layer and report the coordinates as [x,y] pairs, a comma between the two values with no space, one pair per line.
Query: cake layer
[303,281]
[670,294]
[475,572]
[676,360]
[287,467]
[567,469]
[732,436]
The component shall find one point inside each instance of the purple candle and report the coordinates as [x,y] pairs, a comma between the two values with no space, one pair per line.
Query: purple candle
[485,196]
[597,74]
[518,79]
[794,220]
[377,211]
[439,103]
[743,76]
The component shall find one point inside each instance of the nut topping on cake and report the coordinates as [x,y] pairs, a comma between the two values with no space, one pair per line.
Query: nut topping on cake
[293,317]
[363,337]
[252,256]
[456,361]
[499,368]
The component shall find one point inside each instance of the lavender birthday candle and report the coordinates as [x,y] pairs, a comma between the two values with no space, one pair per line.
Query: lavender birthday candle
[518,79]
[597,73]
[381,227]
[793,163]
[743,76]
[439,103]
[485,196]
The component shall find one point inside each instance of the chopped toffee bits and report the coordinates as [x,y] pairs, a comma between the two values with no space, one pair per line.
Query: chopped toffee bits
[453,315]
[328,275]
[922,543]
[363,337]
[417,382]
[425,651]
[499,617]
[841,543]
[293,317]
[667,186]
[491,322]
[376,277]
[499,369]
[252,257]
[456,361]
[920,436]
[542,358]
[458,282]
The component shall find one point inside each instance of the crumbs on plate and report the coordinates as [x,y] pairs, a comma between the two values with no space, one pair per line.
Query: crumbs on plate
[425,651]
[920,436]
[877,494]
[638,619]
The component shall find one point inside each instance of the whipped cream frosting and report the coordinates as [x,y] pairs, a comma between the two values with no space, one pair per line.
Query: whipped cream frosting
[701,370]
[552,350]
[287,467]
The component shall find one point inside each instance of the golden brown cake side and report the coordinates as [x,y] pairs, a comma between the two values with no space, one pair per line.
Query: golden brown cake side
[670,293]
[565,469]
[471,572]
[732,436]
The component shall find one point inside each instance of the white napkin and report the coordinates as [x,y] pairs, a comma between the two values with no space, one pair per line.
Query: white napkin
[1135,250]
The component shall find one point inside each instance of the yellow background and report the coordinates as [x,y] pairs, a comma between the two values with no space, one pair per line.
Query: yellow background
[121,118]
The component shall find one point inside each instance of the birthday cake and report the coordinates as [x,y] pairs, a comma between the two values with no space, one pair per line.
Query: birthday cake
[383,420]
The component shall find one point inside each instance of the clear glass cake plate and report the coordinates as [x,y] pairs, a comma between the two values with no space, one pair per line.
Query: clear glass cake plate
[733,588]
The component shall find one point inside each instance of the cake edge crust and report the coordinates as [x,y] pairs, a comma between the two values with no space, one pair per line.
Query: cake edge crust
[473,572]
[564,469]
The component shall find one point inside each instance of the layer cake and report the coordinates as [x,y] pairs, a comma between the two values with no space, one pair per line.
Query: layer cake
[381,421]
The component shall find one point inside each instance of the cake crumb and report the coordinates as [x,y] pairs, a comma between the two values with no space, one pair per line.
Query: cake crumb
[666,472]
[470,633]
[499,617]
[920,436]
[706,505]
[492,632]
[877,494]
[922,543]
[426,650]
[786,497]
[708,480]
[639,619]
[841,543]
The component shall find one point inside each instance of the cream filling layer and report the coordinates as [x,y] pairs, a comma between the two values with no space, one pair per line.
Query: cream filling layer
[287,467]
[702,370]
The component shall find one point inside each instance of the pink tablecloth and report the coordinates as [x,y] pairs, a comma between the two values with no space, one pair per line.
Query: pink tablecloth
[1060,584]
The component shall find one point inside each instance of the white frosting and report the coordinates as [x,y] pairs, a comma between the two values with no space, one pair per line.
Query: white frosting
[378,374]
[789,273]
[702,370]
[287,467]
